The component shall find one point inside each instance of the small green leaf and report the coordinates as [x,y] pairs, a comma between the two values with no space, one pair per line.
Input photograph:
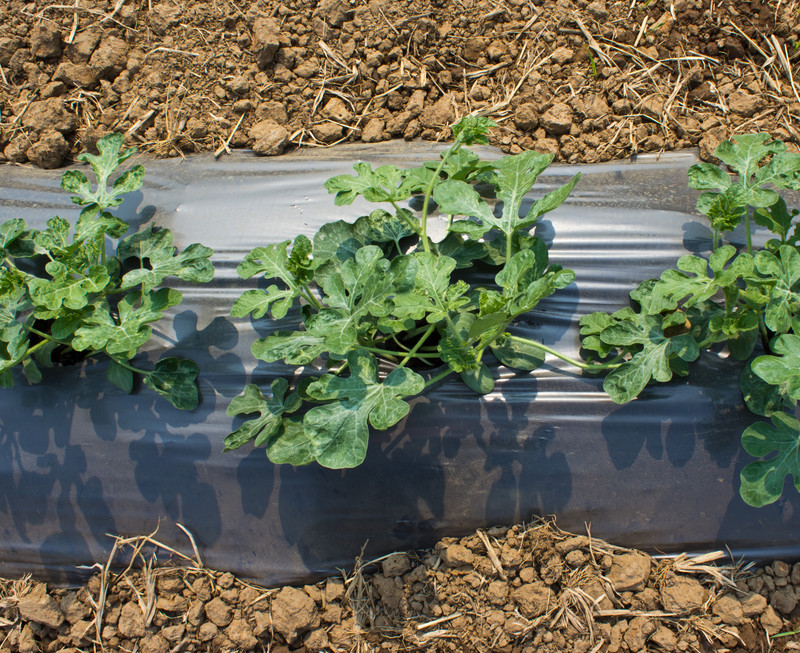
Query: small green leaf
[66,289]
[259,302]
[384,184]
[120,376]
[549,202]
[759,396]
[782,370]
[473,130]
[762,481]
[776,218]
[707,176]
[10,230]
[124,335]
[159,259]
[457,355]
[271,411]
[724,210]
[175,380]
[517,355]
[479,379]
[784,296]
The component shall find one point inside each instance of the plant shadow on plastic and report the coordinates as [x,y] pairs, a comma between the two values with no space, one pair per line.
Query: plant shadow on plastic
[64,299]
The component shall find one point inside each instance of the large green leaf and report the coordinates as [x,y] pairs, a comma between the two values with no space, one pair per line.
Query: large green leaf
[104,164]
[433,297]
[525,283]
[384,184]
[459,198]
[515,175]
[337,242]
[707,176]
[120,376]
[762,481]
[479,379]
[160,259]
[271,410]
[691,283]
[652,361]
[291,444]
[362,290]
[339,431]
[384,227]
[294,347]
[550,201]
[744,152]
[274,262]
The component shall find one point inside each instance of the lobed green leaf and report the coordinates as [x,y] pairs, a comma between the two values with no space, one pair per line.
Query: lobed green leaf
[762,481]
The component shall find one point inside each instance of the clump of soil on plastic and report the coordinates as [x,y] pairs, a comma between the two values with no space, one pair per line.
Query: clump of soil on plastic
[522,589]
[587,81]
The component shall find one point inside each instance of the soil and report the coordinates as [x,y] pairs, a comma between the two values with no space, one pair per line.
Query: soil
[524,589]
[588,81]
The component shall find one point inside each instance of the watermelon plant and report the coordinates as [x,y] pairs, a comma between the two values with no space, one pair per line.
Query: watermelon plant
[64,298]
[747,299]
[386,311]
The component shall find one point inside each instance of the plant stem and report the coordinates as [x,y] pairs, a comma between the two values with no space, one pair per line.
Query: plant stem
[747,234]
[29,351]
[128,366]
[46,337]
[437,378]
[419,344]
[311,299]
[404,215]
[580,364]
[393,354]
[429,191]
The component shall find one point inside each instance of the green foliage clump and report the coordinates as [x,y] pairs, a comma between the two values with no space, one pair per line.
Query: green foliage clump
[64,298]
[387,310]
[739,298]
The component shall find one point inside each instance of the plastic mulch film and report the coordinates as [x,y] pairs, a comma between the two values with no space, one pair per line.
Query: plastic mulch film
[80,460]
